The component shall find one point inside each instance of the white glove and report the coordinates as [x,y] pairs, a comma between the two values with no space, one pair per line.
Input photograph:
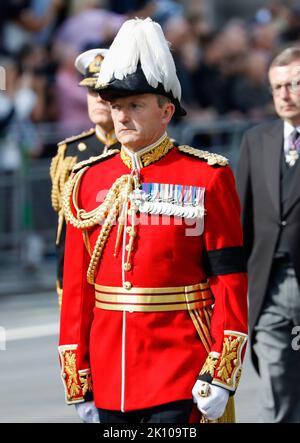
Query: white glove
[88,412]
[211,400]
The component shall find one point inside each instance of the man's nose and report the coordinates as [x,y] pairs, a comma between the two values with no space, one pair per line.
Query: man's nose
[123,116]
[284,92]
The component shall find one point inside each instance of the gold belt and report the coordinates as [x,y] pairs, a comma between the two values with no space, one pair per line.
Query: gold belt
[179,298]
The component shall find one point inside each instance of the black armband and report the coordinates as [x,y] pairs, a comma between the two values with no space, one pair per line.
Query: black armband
[225,261]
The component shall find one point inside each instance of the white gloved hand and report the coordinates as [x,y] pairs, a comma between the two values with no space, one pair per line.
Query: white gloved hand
[88,412]
[211,400]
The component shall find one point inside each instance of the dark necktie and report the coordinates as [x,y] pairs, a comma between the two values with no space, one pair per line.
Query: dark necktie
[292,153]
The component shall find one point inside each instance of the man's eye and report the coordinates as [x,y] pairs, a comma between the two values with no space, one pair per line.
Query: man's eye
[296,84]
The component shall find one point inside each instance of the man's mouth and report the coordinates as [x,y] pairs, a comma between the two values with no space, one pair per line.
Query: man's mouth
[288,107]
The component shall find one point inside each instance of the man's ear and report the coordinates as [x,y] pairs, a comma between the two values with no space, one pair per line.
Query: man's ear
[169,110]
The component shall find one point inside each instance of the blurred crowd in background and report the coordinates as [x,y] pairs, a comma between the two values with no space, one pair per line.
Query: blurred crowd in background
[222,60]
[222,67]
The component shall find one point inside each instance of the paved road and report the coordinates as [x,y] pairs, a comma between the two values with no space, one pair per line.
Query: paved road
[31,390]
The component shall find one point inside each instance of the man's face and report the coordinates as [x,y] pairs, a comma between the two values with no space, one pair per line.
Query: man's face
[139,121]
[99,110]
[285,84]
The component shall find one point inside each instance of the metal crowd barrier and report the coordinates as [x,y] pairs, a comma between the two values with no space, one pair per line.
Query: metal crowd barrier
[221,136]
[27,220]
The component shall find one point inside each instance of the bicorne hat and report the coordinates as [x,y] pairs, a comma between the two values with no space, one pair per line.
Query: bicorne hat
[139,61]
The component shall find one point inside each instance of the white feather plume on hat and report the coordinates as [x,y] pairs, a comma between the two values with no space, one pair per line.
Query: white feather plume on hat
[141,41]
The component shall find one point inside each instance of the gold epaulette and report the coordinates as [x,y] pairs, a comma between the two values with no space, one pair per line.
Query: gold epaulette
[60,169]
[77,137]
[95,159]
[209,157]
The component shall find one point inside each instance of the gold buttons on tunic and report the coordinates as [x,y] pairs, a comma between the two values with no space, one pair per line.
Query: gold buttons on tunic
[82,146]
[127,285]
[127,267]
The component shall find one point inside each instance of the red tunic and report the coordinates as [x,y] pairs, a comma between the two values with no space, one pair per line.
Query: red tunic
[143,359]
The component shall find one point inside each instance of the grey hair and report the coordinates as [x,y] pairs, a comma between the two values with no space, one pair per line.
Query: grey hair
[287,56]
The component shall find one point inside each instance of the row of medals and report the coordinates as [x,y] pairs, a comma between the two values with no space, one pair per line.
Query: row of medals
[167,199]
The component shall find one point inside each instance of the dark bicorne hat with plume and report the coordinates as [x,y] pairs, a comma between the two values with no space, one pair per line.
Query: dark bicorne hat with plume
[139,61]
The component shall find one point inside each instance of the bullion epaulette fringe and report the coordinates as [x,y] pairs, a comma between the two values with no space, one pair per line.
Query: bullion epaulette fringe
[96,159]
[60,169]
[77,137]
[209,157]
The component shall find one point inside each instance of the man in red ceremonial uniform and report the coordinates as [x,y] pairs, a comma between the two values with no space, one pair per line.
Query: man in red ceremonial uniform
[154,313]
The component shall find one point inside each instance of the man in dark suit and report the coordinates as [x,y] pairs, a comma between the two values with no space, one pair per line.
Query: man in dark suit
[268,179]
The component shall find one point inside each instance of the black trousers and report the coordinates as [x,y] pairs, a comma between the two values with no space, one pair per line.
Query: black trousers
[175,412]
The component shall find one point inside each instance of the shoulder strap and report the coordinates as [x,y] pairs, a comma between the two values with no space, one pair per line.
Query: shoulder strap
[77,137]
[96,159]
[209,157]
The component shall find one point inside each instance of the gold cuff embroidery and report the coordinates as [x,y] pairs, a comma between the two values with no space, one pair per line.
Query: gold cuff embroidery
[228,370]
[210,364]
[69,374]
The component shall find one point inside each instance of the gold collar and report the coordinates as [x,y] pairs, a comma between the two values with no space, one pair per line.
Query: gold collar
[146,156]
[108,138]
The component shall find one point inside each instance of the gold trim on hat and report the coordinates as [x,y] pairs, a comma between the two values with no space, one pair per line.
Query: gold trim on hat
[90,82]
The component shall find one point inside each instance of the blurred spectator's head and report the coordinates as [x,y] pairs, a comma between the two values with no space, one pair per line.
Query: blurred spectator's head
[212,48]
[79,5]
[235,38]
[177,31]
[256,66]
[200,24]
[65,55]
[265,36]
[133,8]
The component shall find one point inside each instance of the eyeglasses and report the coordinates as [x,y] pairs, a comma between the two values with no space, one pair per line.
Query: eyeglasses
[293,87]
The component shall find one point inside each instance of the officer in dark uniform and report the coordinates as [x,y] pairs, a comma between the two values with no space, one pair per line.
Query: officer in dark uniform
[80,147]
